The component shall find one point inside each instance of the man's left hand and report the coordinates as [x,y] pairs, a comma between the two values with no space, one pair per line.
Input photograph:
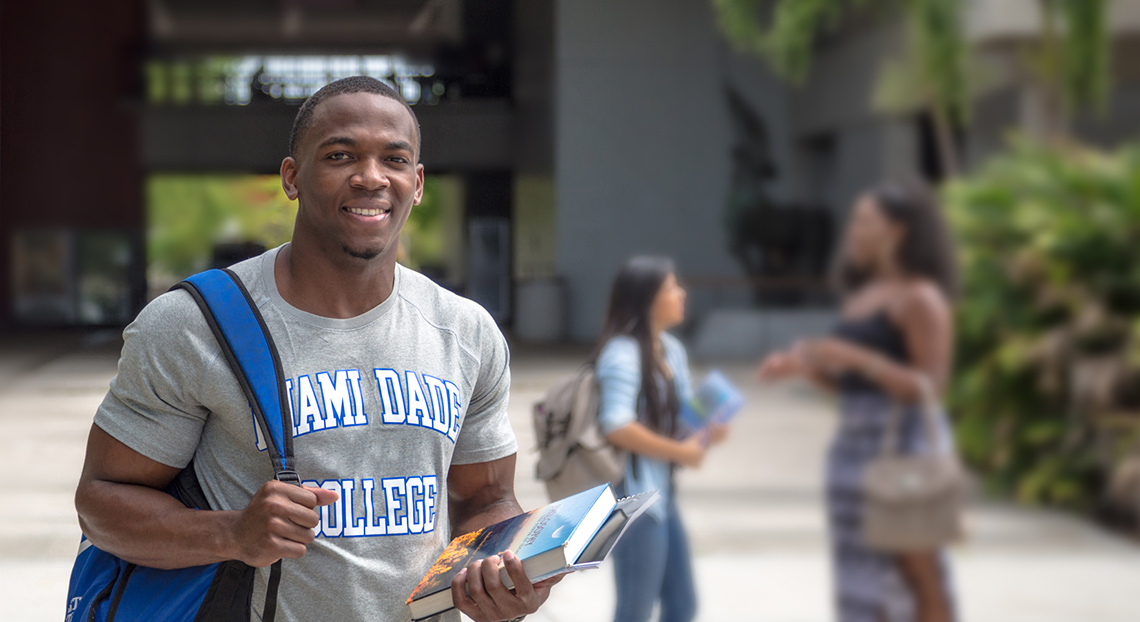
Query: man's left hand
[478,591]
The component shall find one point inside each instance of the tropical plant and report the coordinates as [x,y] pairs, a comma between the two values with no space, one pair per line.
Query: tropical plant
[188,214]
[422,239]
[1069,63]
[933,72]
[1047,395]
[1069,60]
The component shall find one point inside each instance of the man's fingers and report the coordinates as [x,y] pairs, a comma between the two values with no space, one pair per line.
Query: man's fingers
[492,580]
[291,549]
[479,592]
[305,518]
[459,595]
[296,506]
[493,597]
[523,587]
[546,584]
[324,497]
[477,584]
[297,527]
[291,511]
[305,501]
[279,522]
[278,548]
[301,496]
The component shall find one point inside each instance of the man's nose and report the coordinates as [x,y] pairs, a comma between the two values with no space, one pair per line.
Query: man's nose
[371,175]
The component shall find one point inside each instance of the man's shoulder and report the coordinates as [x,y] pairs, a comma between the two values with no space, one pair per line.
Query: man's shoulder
[177,309]
[172,326]
[252,271]
[440,307]
[172,310]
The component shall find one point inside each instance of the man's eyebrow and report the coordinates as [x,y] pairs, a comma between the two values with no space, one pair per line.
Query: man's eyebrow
[399,144]
[337,140]
[348,141]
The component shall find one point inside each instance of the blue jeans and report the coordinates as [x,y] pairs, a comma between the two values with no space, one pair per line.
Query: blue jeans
[652,563]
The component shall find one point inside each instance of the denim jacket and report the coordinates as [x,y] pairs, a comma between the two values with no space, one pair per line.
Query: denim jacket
[619,385]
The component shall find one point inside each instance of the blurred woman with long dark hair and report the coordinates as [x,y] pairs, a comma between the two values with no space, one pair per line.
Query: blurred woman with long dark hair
[643,379]
[898,278]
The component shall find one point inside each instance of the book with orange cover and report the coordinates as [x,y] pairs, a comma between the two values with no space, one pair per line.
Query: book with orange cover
[574,533]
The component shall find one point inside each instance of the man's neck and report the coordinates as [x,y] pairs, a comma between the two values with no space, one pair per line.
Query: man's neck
[333,287]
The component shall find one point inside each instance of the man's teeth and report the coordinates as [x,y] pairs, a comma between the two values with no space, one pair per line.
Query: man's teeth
[360,211]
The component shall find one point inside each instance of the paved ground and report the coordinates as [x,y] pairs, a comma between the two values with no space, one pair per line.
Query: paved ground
[753,511]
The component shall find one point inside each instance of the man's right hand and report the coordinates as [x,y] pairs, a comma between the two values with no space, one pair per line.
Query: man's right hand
[278,522]
[123,510]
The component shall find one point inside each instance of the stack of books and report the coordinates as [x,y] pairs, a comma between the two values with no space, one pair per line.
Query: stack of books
[576,533]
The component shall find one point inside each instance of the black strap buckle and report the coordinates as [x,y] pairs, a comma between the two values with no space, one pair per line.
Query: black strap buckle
[289,477]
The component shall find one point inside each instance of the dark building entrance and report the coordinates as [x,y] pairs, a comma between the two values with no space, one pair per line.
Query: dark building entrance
[98,98]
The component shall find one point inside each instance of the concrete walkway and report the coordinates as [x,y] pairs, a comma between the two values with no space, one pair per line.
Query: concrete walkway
[753,511]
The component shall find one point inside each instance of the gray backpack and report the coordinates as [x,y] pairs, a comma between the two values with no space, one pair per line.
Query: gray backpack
[573,453]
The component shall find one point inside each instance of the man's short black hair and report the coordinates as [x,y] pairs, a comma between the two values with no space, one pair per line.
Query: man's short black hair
[344,86]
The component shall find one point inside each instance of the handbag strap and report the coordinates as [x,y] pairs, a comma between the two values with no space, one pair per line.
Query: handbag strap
[248,347]
[928,408]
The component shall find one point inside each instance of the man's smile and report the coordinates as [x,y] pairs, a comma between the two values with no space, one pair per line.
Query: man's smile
[368,211]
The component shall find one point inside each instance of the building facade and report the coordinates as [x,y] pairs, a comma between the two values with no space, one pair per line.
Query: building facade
[574,134]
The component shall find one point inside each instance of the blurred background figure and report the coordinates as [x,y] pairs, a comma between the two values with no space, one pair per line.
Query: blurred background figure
[895,333]
[643,379]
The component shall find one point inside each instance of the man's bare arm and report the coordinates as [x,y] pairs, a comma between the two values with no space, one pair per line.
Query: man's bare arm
[481,494]
[123,510]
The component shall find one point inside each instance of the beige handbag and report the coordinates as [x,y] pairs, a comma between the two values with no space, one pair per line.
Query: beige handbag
[913,503]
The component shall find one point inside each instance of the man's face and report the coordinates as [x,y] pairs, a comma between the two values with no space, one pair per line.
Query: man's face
[356,175]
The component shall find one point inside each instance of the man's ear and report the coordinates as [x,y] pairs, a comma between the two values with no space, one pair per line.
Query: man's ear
[419,195]
[289,178]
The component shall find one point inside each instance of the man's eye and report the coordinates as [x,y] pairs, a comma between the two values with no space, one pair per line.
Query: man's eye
[338,156]
[398,160]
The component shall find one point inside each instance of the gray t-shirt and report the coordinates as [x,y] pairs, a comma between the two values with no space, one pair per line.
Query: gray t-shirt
[383,404]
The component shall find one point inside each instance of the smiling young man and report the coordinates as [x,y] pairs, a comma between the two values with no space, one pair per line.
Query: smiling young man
[398,391]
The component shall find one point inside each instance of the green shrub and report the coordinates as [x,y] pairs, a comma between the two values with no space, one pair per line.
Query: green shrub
[1049,319]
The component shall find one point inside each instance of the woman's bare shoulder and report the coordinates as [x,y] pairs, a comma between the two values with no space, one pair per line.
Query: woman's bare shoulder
[920,300]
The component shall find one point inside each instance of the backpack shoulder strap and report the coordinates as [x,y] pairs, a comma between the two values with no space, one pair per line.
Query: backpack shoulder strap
[248,347]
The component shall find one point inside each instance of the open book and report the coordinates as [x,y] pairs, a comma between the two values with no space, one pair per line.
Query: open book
[575,533]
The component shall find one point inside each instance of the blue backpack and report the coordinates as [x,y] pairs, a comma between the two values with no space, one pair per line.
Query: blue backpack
[104,587]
